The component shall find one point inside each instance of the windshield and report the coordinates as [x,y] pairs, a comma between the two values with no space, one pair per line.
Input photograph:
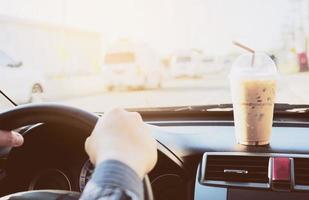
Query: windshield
[183,59]
[5,60]
[180,51]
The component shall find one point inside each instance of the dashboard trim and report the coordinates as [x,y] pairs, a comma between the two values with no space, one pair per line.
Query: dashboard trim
[221,123]
[201,172]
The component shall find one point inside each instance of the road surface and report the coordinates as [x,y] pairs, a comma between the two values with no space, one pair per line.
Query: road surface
[212,89]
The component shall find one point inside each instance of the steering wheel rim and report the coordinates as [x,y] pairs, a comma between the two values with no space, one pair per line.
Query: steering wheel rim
[29,114]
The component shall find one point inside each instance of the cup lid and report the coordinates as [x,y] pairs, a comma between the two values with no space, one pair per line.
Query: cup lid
[262,66]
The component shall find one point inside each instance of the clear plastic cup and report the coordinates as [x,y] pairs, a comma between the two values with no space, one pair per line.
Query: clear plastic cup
[253,88]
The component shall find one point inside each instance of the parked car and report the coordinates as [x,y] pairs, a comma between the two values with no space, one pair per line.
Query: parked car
[132,66]
[21,83]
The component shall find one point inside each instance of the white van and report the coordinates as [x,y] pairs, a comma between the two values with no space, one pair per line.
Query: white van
[131,66]
[186,63]
[20,83]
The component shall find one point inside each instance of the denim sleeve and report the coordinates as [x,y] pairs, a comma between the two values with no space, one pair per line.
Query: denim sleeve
[113,180]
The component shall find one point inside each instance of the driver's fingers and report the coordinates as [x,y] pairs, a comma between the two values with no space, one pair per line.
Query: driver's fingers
[10,139]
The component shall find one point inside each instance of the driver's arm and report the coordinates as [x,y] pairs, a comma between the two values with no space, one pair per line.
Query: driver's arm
[123,152]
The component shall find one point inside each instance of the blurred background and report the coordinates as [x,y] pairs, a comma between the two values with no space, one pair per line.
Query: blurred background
[97,54]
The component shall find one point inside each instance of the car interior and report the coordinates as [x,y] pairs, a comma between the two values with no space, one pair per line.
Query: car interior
[222,85]
[196,146]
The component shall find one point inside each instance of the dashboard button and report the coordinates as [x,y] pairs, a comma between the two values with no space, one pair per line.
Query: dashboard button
[281,169]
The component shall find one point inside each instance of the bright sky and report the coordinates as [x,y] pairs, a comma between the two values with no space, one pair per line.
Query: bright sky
[167,25]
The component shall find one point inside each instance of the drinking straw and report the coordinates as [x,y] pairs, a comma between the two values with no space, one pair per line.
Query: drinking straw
[247,49]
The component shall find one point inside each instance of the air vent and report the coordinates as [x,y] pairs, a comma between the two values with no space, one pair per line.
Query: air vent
[301,166]
[230,168]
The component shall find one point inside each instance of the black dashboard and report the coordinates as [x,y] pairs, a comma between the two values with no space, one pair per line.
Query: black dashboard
[183,135]
[191,139]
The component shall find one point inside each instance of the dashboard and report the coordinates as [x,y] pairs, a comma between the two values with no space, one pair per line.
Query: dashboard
[53,157]
[289,140]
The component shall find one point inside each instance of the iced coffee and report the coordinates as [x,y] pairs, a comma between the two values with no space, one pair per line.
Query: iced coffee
[253,90]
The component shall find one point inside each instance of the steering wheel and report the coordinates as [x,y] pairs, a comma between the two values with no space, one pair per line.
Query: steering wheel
[52,113]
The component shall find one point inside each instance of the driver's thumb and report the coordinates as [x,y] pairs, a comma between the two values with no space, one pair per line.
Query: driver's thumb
[10,139]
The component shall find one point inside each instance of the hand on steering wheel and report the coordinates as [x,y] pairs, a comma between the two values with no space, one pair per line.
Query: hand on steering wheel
[85,121]
[123,136]
[10,139]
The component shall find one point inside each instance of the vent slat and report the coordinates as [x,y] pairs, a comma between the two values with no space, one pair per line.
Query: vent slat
[250,172]
[301,167]
[253,180]
[255,169]
[302,182]
[300,175]
[238,160]
[235,165]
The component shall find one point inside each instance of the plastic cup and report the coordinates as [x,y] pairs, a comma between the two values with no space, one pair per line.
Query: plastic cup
[253,88]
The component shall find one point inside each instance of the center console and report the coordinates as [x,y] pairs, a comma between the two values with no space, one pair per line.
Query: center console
[234,175]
